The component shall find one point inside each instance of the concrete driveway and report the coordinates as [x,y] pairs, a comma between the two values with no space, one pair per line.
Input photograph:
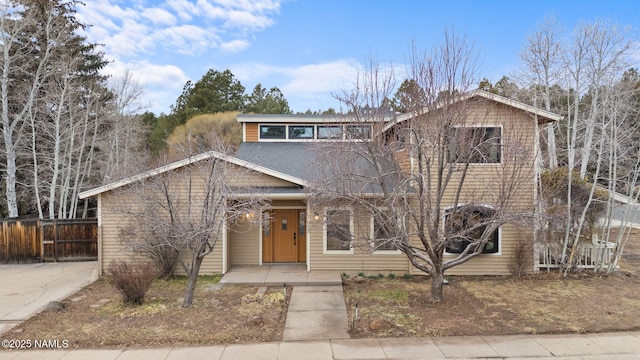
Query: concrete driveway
[26,289]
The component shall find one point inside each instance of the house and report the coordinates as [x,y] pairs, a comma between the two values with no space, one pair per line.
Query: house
[286,155]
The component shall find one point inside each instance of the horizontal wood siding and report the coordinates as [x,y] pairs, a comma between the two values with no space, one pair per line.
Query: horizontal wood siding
[251,132]
[114,247]
[244,243]
[254,178]
[482,183]
[362,258]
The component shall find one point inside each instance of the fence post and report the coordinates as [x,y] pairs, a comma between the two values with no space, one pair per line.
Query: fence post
[55,240]
[40,229]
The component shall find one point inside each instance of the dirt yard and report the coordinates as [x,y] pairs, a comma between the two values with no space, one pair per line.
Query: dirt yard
[95,316]
[545,303]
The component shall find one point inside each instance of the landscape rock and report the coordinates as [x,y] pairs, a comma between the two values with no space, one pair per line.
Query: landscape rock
[78,298]
[55,306]
[380,325]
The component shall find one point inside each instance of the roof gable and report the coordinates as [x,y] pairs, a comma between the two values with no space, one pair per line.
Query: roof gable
[543,116]
[184,162]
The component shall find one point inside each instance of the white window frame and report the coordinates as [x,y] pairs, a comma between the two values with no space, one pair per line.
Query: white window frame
[372,231]
[499,229]
[343,133]
[324,231]
[501,146]
[286,133]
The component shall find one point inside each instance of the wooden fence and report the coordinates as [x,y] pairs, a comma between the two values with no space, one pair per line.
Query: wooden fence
[23,241]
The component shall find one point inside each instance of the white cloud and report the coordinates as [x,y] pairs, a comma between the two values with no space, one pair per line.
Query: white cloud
[184,8]
[175,26]
[186,39]
[162,83]
[245,19]
[159,16]
[311,80]
[234,46]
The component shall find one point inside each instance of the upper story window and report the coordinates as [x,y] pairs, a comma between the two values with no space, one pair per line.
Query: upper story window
[272,132]
[358,132]
[309,132]
[301,132]
[475,145]
[329,132]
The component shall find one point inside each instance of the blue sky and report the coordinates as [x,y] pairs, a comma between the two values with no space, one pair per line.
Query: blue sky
[313,49]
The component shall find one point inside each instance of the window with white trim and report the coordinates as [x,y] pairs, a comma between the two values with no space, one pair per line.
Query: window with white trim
[383,231]
[338,230]
[329,132]
[358,132]
[475,145]
[466,225]
[307,132]
[273,132]
[301,132]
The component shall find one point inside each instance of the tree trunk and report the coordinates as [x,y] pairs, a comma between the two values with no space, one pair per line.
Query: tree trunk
[436,287]
[191,286]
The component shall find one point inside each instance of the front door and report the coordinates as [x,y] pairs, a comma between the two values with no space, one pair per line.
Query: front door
[285,235]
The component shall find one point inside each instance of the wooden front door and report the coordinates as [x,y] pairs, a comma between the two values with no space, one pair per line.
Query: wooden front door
[285,235]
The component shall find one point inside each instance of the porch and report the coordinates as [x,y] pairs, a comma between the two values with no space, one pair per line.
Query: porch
[278,274]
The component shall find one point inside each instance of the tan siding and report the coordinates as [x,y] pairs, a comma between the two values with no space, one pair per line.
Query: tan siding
[483,181]
[254,178]
[361,260]
[113,248]
[244,244]
[251,132]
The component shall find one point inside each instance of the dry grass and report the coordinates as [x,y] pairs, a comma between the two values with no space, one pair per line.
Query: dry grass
[97,317]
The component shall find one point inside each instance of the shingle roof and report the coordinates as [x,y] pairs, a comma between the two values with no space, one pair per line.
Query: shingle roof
[317,163]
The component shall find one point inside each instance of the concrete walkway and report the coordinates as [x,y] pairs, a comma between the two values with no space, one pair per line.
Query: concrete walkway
[279,274]
[611,346]
[316,313]
[27,288]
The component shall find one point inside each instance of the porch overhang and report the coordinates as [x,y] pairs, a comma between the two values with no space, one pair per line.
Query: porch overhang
[275,193]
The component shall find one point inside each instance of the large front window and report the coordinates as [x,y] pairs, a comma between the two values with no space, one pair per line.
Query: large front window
[475,145]
[466,226]
[383,228]
[338,230]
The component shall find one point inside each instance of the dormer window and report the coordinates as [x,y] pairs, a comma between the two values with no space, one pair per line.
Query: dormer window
[358,132]
[272,132]
[310,132]
[301,132]
[329,132]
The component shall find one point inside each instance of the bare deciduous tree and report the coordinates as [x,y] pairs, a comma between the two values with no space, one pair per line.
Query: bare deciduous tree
[187,208]
[541,58]
[436,200]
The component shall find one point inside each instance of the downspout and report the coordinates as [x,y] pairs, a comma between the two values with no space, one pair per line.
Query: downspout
[99,215]
[224,246]
[308,237]
[536,203]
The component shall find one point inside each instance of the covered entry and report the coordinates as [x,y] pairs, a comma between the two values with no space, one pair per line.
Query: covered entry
[284,236]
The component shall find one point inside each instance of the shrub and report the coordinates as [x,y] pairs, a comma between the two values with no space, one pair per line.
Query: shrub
[132,280]
[520,260]
[406,276]
[392,276]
